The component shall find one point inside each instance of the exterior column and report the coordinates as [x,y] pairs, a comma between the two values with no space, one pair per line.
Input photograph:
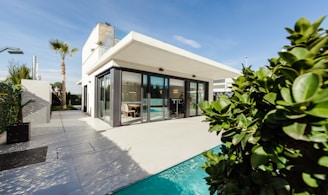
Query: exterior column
[115,97]
[187,98]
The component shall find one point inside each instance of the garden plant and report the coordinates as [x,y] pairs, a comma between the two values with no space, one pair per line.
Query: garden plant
[8,105]
[11,105]
[274,128]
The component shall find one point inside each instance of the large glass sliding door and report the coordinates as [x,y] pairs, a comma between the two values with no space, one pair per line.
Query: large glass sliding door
[192,99]
[155,98]
[147,97]
[197,94]
[104,97]
[177,100]
[201,95]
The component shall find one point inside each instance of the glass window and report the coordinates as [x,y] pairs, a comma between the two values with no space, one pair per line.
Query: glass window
[177,98]
[158,98]
[201,96]
[131,97]
[104,97]
[192,99]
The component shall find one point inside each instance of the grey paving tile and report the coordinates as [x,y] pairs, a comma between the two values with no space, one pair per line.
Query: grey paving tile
[45,130]
[46,178]
[80,138]
[76,149]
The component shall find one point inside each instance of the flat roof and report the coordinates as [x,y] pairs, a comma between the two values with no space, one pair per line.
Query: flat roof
[147,51]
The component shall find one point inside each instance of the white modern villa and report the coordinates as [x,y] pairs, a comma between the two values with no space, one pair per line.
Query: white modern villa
[139,79]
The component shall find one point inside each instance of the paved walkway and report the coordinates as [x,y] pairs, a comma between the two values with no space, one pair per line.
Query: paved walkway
[87,156]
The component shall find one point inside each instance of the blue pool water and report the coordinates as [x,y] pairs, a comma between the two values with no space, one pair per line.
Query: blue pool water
[186,178]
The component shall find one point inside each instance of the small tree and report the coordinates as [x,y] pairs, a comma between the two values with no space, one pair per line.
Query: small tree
[64,50]
[275,126]
[57,93]
[17,72]
[57,85]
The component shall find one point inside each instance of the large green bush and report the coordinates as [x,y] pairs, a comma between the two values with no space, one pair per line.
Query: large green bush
[275,126]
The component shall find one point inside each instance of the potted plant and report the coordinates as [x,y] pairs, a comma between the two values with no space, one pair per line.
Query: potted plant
[17,130]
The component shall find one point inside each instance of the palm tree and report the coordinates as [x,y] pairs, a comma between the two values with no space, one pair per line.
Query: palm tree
[17,72]
[63,49]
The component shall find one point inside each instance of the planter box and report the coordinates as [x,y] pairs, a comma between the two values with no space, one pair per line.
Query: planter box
[18,133]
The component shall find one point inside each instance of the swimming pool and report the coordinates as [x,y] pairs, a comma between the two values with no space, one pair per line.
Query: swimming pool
[185,178]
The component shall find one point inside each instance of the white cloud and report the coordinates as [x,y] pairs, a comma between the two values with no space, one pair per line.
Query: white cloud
[186,41]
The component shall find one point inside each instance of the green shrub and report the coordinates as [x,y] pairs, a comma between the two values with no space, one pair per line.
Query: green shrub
[275,126]
[75,99]
[9,105]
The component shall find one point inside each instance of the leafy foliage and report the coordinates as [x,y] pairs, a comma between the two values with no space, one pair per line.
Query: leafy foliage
[17,72]
[275,126]
[9,105]
[57,85]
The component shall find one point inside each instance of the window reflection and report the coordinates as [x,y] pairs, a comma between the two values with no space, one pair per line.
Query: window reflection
[104,97]
[131,97]
[177,99]
[193,99]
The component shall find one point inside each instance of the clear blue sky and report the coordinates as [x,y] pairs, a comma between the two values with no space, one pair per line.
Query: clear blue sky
[221,30]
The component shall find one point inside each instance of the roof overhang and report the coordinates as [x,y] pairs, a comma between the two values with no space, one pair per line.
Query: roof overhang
[140,49]
[79,82]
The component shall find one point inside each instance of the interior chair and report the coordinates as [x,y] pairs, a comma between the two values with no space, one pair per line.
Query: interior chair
[126,111]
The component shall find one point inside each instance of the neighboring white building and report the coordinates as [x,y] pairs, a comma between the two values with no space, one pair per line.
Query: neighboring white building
[222,86]
[141,79]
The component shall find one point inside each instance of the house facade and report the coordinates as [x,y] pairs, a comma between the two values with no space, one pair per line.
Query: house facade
[139,79]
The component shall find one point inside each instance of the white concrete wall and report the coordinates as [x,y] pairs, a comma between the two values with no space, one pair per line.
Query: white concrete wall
[91,52]
[40,92]
[91,43]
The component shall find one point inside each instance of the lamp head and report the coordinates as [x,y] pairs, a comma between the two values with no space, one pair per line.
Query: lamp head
[15,52]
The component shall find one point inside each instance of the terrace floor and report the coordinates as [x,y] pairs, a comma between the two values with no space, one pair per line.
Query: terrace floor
[87,156]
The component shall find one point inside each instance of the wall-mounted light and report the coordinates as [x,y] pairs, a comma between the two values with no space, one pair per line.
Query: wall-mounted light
[175,91]
[161,69]
[89,81]
[193,76]
[12,50]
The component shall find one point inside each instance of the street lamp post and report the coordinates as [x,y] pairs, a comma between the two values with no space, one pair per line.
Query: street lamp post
[12,50]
